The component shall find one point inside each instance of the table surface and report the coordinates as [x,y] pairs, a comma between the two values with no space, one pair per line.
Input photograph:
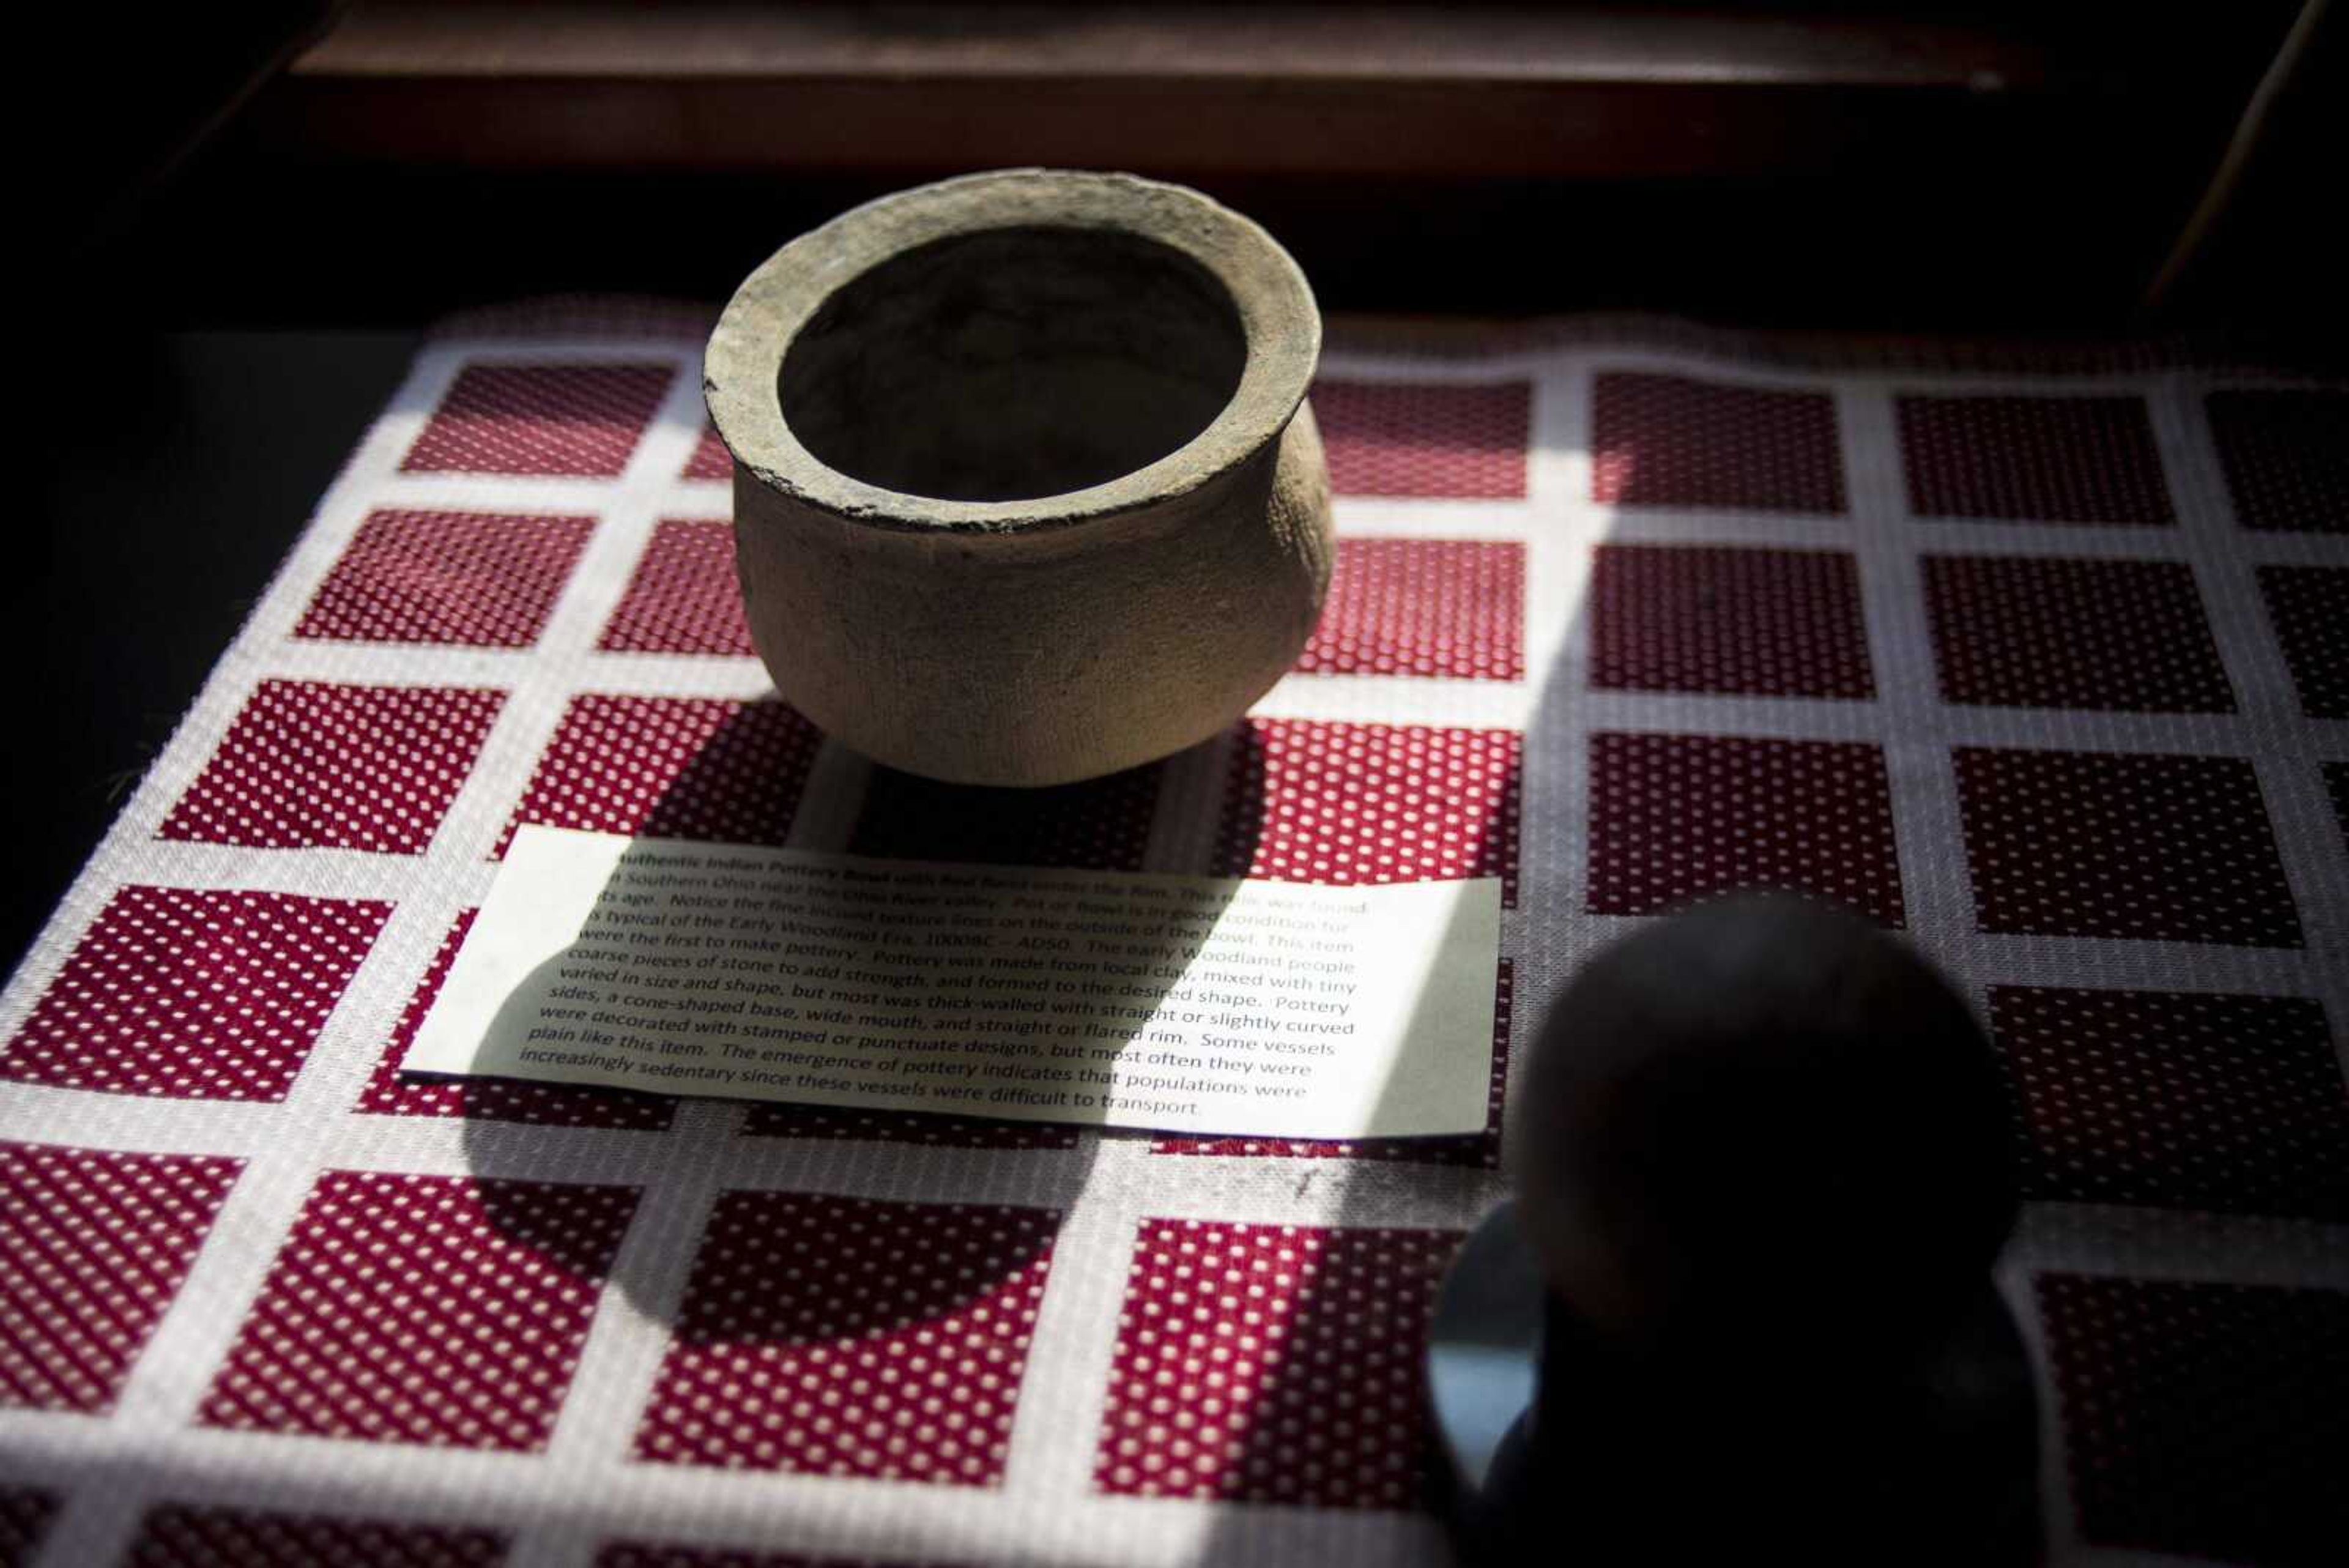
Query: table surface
[2044,662]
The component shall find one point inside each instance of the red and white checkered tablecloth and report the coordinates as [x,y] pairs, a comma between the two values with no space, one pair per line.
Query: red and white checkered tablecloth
[2045,664]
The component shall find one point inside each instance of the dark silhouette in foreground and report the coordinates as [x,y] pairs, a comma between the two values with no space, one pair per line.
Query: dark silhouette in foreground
[1747,1274]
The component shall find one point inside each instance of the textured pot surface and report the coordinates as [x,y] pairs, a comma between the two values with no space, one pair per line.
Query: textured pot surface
[1024,489]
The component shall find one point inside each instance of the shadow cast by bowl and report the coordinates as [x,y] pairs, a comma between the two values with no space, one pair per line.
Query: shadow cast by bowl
[1100,824]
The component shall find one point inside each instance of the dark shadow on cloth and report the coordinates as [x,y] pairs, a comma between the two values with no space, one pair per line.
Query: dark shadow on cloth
[1339,1416]
[1654,443]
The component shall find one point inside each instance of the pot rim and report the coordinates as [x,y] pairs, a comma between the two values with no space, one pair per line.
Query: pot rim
[1280,327]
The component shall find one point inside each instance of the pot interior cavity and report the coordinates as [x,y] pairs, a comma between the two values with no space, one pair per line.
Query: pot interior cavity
[1013,364]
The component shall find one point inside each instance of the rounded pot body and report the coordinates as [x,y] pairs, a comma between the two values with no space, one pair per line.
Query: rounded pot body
[1025,489]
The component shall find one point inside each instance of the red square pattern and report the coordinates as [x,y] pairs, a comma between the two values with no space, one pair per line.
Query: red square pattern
[25,1515]
[643,1554]
[1669,440]
[2025,632]
[2175,1100]
[312,765]
[1422,606]
[581,420]
[179,1535]
[194,995]
[1703,618]
[440,1310]
[93,1248]
[683,597]
[2309,607]
[1342,804]
[493,1100]
[1098,824]
[1272,1363]
[2097,844]
[2041,460]
[1676,818]
[1426,438]
[483,579]
[846,1337]
[2286,455]
[1479,1150]
[672,767]
[2203,1420]
[710,460]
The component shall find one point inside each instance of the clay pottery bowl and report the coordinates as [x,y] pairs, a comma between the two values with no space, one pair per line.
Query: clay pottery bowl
[1025,486]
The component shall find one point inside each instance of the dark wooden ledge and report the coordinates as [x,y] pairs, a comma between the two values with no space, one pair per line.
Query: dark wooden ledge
[1390,90]
[1819,162]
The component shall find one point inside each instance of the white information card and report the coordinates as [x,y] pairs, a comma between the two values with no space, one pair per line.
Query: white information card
[1186,1004]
